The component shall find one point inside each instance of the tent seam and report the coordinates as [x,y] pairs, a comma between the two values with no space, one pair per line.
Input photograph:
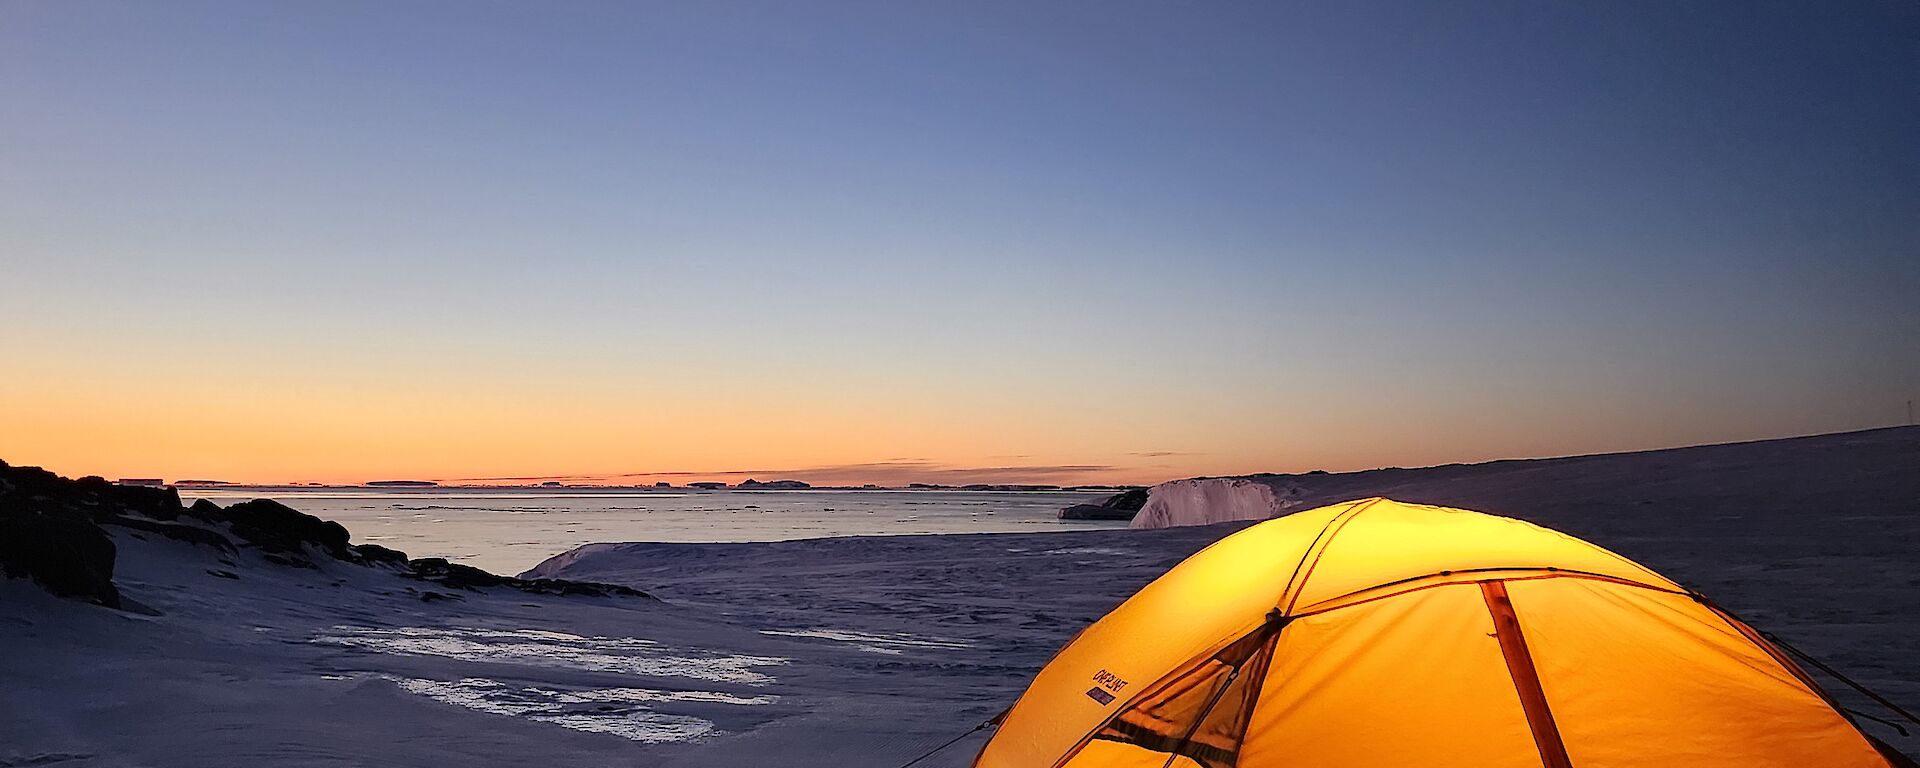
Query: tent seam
[1544,573]
[1322,551]
[1525,675]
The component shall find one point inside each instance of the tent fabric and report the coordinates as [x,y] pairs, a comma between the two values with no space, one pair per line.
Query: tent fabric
[1376,633]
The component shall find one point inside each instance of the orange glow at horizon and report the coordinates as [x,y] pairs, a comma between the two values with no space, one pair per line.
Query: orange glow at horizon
[266,428]
[328,411]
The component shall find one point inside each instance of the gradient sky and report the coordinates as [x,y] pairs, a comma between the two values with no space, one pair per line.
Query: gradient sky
[890,242]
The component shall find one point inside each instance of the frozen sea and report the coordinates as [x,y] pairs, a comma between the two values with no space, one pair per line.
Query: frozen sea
[510,530]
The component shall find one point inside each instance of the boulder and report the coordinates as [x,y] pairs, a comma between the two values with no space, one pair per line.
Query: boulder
[68,556]
[279,529]
[374,554]
[1120,506]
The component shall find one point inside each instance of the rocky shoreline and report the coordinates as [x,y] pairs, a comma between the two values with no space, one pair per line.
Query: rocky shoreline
[54,531]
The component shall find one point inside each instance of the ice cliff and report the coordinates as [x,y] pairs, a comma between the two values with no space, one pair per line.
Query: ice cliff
[1210,500]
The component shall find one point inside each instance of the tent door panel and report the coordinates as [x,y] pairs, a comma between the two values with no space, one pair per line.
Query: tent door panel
[1200,717]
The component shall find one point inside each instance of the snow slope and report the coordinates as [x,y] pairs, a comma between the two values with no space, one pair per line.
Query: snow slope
[1869,469]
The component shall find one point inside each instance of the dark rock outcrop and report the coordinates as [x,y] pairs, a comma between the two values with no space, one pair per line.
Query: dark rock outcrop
[279,529]
[457,576]
[50,529]
[374,554]
[1120,506]
[69,556]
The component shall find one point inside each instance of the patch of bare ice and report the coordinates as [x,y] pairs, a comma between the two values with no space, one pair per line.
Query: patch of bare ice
[617,711]
[627,655]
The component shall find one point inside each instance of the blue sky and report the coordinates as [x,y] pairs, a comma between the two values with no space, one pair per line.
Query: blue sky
[1257,235]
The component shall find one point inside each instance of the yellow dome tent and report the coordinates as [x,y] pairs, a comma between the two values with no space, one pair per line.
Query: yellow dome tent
[1375,633]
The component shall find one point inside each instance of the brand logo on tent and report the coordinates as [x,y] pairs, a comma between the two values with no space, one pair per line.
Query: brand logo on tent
[1105,685]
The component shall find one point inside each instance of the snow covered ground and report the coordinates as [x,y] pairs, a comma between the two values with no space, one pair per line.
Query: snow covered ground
[252,663]
[829,652]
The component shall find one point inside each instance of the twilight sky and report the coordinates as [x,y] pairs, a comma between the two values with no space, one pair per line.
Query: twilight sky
[892,242]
